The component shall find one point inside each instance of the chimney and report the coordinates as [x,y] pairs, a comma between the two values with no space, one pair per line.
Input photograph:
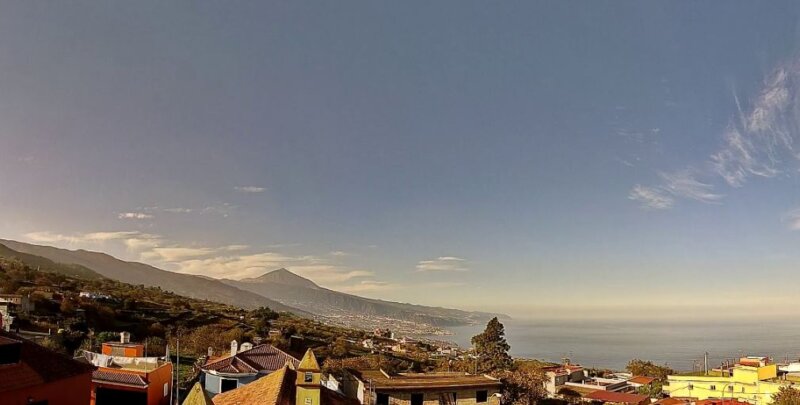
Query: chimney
[210,351]
[245,346]
[234,348]
[124,337]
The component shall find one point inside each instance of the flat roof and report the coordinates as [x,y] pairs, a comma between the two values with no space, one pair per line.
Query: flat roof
[423,381]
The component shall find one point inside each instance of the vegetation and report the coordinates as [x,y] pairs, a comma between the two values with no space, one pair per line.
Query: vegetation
[491,348]
[649,369]
[786,396]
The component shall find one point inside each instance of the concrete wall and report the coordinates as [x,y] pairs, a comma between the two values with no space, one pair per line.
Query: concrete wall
[463,397]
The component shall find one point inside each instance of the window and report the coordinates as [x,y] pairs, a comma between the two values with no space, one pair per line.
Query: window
[166,389]
[481,396]
[383,399]
[417,399]
[712,387]
[308,377]
[226,384]
[730,388]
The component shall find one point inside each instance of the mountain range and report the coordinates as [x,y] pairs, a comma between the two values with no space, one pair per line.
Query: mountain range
[140,273]
[279,289]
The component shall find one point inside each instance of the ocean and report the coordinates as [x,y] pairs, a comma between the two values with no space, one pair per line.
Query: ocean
[611,344]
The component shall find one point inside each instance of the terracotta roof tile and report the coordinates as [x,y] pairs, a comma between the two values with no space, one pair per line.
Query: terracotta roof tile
[261,358]
[642,380]
[274,389]
[119,378]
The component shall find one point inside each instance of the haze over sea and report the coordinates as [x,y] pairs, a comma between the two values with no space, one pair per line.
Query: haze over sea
[612,343]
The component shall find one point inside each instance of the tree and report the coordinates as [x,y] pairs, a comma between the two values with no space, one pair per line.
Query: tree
[786,396]
[491,348]
[523,386]
[648,369]
[652,390]
[261,319]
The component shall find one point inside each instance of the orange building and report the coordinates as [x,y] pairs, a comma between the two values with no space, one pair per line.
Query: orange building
[33,375]
[125,377]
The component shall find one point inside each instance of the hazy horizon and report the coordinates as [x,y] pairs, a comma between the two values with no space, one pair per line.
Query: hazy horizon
[619,159]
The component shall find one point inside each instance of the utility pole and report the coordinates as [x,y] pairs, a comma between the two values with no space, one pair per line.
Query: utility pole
[178,371]
[705,363]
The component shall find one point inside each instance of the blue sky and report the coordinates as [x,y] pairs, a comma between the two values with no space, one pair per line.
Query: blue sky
[577,158]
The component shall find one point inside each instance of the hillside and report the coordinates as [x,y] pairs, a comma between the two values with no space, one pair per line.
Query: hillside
[139,273]
[293,290]
[47,265]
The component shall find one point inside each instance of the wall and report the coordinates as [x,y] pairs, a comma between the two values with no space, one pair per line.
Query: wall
[722,387]
[76,390]
[463,397]
[211,382]
[157,378]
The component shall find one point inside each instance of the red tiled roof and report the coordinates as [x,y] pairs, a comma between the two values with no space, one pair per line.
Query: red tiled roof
[261,358]
[672,401]
[642,380]
[119,378]
[37,365]
[616,397]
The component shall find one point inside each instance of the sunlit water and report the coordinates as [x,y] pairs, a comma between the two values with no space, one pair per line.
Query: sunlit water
[611,344]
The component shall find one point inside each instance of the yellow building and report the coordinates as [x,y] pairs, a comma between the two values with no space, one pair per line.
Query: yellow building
[308,380]
[753,383]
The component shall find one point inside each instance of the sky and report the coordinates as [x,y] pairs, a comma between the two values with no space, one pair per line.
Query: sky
[598,158]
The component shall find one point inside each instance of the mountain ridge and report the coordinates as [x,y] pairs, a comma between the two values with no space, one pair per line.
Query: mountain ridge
[139,273]
[297,291]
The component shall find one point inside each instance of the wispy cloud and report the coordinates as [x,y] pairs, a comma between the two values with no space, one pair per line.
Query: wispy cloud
[250,189]
[442,264]
[132,239]
[339,253]
[367,286]
[651,197]
[759,142]
[684,184]
[134,215]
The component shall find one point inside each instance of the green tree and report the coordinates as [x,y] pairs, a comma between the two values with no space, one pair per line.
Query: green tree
[648,369]
[652,390]
[491,348]
[523,386]
[786,396]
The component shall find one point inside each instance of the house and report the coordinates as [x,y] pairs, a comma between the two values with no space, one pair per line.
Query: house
[609,397]
[287,386]
[33,375]
[23,302]
[242,367]
[8,312]
[557,376]
[377,387]
[752,379]
[368,344]
[125,376]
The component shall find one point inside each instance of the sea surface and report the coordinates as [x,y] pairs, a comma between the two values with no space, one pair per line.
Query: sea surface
[611,344]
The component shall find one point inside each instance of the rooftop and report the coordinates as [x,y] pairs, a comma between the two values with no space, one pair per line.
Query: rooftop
[261,358]
[383,381]
[277,388]
[37,365]
[118,378]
